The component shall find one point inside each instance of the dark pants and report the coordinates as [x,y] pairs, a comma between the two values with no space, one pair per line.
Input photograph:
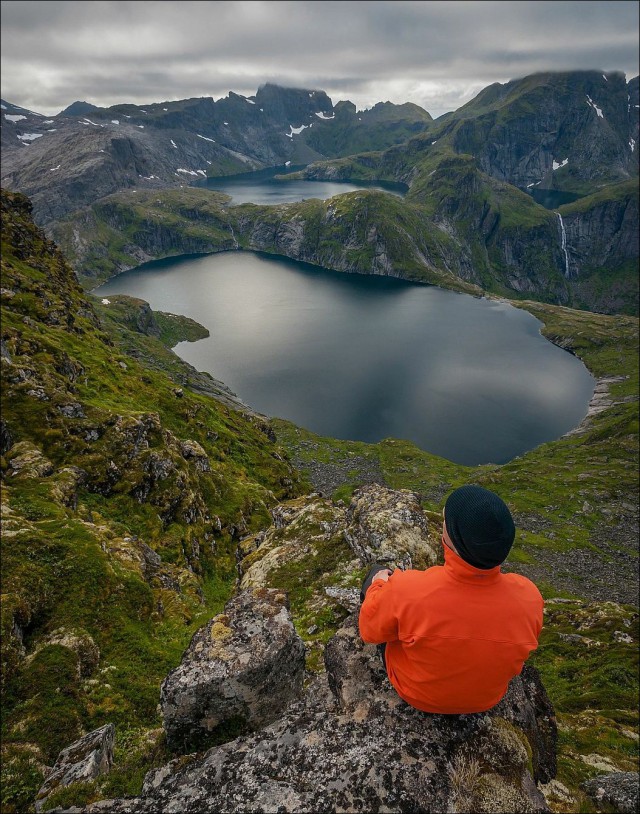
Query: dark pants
[375,568]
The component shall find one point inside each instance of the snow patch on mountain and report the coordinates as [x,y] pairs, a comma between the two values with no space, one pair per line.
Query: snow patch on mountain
[296,130]
[597,109]
[191,172]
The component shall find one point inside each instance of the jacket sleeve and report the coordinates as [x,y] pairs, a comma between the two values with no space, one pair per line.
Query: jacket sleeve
[378,622]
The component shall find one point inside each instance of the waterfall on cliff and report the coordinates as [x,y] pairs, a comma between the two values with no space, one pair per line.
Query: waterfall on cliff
[564,246]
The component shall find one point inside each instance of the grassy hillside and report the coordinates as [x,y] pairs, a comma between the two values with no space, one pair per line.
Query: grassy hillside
[123,496]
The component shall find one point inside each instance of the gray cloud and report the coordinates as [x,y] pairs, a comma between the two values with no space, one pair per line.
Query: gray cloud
[437,54]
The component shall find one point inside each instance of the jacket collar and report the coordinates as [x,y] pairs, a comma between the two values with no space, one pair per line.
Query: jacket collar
[460,570]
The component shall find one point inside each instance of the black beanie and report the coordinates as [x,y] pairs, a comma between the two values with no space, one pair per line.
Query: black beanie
[479,525]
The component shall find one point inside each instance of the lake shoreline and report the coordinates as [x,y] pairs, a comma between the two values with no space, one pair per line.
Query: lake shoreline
[344,352]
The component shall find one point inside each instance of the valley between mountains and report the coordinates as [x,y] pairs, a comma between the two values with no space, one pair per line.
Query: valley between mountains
[139,494]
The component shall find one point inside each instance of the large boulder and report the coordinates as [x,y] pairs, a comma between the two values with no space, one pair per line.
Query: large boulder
[389,526]
[352,668]
[239,673]
[351,744]
[617,790]
[83,761]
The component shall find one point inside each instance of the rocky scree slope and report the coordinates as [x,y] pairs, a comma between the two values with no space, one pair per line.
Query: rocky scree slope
[124,493]
[77,157]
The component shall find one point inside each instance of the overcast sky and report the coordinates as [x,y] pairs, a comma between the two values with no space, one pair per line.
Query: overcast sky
[436,54]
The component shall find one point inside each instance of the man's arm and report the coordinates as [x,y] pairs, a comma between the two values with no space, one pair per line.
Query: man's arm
[377,619]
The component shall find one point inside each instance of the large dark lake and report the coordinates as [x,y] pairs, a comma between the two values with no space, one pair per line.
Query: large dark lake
[366,358]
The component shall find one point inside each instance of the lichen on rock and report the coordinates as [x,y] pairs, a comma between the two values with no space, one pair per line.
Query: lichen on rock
[389,526]
[239,672]
[351,744]
[84,760]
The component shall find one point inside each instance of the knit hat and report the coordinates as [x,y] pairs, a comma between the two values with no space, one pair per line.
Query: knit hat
[479,525]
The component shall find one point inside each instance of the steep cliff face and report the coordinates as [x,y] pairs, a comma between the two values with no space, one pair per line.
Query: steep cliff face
[556,131]
[602,228]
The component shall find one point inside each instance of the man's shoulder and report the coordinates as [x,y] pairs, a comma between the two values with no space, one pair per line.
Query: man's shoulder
[522,585]
[413,576]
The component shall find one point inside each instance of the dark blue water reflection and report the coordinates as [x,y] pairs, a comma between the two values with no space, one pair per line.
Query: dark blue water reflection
[365,358]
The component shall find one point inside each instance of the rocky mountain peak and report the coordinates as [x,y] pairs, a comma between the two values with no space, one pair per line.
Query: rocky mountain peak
[79,109]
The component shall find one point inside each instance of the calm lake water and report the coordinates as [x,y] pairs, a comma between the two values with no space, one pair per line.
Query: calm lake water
[263,188]
[366,358]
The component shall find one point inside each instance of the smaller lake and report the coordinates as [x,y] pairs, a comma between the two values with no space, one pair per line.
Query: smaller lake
[367,357]
[263,187]
[552,198]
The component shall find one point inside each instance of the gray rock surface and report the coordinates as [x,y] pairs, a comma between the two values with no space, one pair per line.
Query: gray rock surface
[351,744]
[239,673]
[389,526]
[84,760]
[620,790]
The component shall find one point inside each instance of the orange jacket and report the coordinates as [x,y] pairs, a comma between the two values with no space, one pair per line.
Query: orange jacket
[456,635]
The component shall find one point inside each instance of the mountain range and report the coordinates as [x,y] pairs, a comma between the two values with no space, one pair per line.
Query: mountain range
[87,152]
[476,179]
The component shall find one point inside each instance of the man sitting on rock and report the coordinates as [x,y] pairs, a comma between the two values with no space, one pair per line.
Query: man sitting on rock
[454,636]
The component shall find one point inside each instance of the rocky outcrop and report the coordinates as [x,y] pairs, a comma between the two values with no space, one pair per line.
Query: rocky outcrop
[81,762]
[351,744]
[389,526]
[239,673]
[379,525]
[617,791]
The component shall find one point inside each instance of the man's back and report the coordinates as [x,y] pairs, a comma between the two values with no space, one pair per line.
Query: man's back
[455,634]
